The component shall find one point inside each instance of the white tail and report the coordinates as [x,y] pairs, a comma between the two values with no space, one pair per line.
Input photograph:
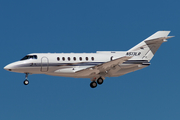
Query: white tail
[146,49]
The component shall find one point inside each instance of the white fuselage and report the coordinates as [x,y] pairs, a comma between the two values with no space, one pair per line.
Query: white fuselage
[66,64]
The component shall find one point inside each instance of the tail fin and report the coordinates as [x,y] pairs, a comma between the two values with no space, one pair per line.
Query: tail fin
[146,49]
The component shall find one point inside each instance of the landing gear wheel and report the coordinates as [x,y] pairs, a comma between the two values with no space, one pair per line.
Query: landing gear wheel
[100,81]
[26,82]
[93,84]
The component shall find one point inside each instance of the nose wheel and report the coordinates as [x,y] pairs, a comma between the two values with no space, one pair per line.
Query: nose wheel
[26,82]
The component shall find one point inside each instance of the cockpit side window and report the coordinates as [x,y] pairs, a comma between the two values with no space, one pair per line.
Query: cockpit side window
[35,56]
[29,57]
[25,58]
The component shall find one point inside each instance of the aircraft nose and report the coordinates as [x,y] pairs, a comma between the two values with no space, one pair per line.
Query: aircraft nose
[8,67]
[16,67]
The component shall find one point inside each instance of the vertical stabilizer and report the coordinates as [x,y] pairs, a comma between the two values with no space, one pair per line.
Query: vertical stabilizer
[147,48]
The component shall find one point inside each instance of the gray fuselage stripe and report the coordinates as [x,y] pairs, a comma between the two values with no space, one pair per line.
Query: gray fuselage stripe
[79,64]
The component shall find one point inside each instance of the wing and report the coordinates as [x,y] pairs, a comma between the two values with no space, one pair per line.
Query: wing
[103,68]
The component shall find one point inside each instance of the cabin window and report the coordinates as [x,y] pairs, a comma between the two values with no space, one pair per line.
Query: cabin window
[86,58]
[80,58]
[58,58]
[74,58]
[92,58]
[63,58]
[69,58]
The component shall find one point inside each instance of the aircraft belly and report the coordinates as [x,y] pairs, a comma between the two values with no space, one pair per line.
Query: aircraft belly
[74,75]
[68,71]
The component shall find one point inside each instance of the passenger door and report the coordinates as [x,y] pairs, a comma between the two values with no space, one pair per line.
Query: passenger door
[44,64]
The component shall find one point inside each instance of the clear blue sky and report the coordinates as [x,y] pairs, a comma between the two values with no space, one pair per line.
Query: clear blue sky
[89,26]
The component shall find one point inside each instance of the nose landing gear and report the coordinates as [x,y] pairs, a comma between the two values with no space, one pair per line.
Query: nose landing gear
[26,82]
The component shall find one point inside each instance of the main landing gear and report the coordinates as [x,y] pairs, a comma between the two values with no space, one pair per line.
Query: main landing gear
[93,84]
[26,82]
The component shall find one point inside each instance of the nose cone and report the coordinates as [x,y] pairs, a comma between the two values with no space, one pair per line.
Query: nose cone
[11,66]
[8,67]
[19,67]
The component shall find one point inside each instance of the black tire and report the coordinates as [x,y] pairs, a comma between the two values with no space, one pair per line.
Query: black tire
[100,81]
[26,82]
[93,84]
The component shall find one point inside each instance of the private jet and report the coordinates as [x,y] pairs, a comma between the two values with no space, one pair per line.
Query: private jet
[96,66]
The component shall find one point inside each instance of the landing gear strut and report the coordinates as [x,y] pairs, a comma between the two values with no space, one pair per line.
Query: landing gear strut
[26,82]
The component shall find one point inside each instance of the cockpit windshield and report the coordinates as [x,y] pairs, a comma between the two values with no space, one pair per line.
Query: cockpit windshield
[29,57]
